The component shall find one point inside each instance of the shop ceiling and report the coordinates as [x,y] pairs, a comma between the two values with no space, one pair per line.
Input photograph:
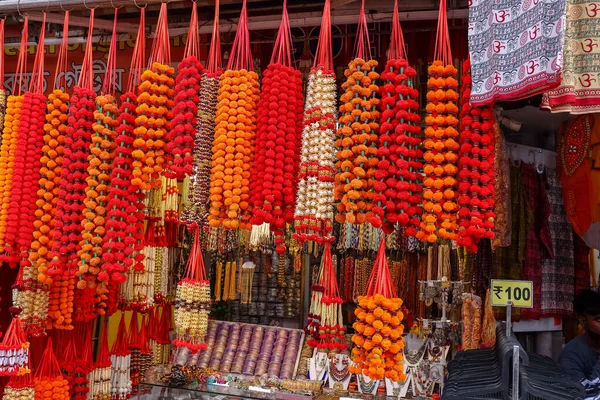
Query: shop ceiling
[264,14]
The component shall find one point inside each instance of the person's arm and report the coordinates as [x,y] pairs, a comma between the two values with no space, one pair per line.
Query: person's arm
[573,365]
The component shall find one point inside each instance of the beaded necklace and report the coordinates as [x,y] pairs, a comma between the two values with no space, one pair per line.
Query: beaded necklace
[218,277]
[339,375]
[366,387]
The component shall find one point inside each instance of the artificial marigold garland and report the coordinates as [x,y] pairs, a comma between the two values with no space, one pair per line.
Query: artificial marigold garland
[440,155]
[233,149]
[49,183]
[49,382]
[398,189]
[123,241]
[25,178]
[98,188]
[8,149]
[278,138]
[154,113]
[378,327]
[357,141]
[476,169]
[180,145]
[70,205]
[277,143]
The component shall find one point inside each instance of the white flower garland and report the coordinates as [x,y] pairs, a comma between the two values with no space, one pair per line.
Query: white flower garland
[314,204]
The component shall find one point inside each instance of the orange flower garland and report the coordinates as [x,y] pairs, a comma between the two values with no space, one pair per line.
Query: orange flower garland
[49,183]
[96,200]
[233,149]
[378,327]
[378,338]
[439,196]
[48,382]
[154,113]
[8,149]
[357,141]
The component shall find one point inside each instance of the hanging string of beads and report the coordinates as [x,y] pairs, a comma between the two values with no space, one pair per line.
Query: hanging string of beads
[325,321]
[99,376]
[120,357]
[313,217]
[198,204]
[192,302]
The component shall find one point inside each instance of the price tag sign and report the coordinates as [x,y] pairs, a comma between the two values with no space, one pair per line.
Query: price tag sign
[520,293]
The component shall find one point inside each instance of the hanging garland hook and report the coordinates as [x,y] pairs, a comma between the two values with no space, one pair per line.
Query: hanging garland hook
[62,7]
[88,7]
[138,6]
[24,15]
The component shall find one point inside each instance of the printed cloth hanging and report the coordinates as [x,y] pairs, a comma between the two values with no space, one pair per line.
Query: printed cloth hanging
[579,91]
[557,272]
[572,145]
[538,245]
[516,48]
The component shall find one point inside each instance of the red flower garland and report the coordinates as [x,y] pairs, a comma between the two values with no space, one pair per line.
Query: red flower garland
[180,145]
[279,128]
[97,191]
[125,205]
[398,188]
[69,209]
[476,169]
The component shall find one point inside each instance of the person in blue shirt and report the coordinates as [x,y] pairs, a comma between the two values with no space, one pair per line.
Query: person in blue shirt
[580,358]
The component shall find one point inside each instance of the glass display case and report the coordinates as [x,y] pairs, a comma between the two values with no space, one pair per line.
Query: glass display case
[152,391]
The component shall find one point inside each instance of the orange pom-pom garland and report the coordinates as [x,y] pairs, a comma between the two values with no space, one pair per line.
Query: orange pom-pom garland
[357,143]
[96,200]
[8,150]
[233,149]
[153,121]
[440,155]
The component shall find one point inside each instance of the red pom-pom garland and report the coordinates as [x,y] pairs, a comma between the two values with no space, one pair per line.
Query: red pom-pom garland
[273,182]
[476,170]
